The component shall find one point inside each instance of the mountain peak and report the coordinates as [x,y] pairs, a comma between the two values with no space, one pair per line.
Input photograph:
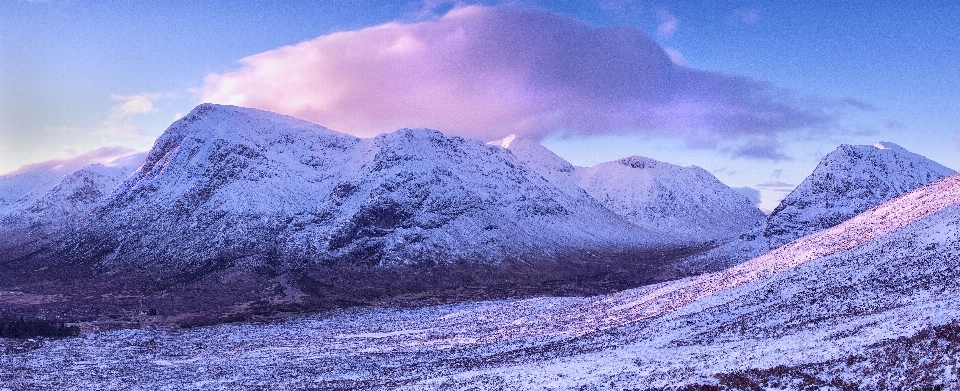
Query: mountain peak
[889,145]
[849,181]
[218,119]
[504,142]
[640,162]
[687,201]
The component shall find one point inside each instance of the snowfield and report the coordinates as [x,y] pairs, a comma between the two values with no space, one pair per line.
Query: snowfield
[868,303]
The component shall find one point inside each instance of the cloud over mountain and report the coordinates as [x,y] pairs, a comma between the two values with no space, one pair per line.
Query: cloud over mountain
[483,72]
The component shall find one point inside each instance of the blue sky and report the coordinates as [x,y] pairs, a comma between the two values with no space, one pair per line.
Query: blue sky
[76,76]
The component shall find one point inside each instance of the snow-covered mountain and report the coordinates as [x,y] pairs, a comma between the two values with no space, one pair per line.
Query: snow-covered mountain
[48,201]
[687,202]
[848,181]
[34,180]
[867,304]
[70,198]
[234,184]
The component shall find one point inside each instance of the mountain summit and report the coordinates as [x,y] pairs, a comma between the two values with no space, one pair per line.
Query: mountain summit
[847,182]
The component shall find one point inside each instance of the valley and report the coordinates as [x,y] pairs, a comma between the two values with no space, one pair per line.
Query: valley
[253,250]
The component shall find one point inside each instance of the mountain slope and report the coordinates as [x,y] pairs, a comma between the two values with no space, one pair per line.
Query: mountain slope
[829,306]
[687,202]
[848,181]
[227,184]
[55,204]
[867,304]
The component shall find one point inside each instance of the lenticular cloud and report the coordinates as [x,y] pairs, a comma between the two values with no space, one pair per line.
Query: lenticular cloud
[483,72]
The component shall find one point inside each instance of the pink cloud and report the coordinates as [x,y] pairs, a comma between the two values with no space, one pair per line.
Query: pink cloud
[103,155]
[484,72]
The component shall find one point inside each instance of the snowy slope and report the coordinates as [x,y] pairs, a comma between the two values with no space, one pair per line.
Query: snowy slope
[31,181]
[543,161]
[49,203]
[687,202]
[70,198]
[848,181]
[234,184]
[867,304]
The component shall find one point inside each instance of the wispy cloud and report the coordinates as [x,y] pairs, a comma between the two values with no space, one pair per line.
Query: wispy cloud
[859,104]
[773,184]
[676,57]
[484,72]
[123,116]
[131,105]
[102,155]
[668,23]
[747,16]
[764,148]
[752,194]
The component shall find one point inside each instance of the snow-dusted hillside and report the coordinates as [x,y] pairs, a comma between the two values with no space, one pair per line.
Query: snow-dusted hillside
[867,304]
[848,181]
[70,198]
[234,184]
[687,202]
[48,201]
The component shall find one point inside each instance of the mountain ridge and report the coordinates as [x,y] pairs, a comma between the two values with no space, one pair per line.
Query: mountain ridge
[688,202]
[245,183]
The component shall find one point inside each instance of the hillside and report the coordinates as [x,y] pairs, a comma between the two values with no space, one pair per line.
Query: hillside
[866,304]
[686,202]
[848,181]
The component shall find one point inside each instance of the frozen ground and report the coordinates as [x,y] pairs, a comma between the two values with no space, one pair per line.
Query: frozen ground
[869,303]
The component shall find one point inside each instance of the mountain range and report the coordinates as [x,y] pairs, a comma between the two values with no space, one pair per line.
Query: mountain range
[236,185]
[688,202]
[528,272]
[866,304]
[265,212]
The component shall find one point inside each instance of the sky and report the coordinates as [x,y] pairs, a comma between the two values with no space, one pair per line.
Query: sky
[756,92]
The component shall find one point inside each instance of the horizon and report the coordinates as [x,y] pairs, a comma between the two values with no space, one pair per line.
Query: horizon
[755,93]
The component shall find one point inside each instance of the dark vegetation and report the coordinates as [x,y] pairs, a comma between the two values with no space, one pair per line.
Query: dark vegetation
[30,328]
[227,290]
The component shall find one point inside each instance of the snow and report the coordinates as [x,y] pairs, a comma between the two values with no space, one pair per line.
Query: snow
[685,202]
[235,182]
[844,303]
[48,201]
[859,287]
[848,181]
